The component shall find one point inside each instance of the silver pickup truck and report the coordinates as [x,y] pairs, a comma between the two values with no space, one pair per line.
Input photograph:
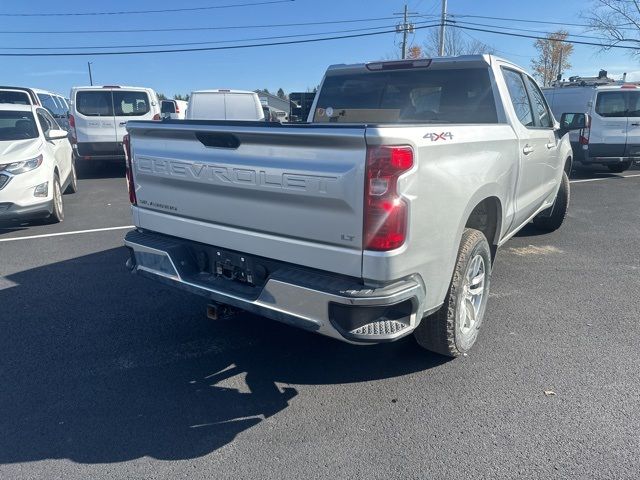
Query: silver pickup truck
[379,217]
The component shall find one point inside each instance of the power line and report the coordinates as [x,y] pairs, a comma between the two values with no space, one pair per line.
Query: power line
[458,22]
[191,29]
[536,37]
[133,12]
[206,49]
[522,20]
[212,42]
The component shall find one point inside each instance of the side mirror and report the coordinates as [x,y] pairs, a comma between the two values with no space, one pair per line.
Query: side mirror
[574,121]
[54,134]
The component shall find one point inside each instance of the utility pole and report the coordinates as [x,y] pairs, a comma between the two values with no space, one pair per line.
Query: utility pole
[90,76]
[559,77]
[443,19]
[404,28]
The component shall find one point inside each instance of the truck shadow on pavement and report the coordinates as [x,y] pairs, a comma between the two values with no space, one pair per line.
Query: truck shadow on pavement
[99,366]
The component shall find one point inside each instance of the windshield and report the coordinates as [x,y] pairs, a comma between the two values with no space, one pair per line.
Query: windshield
[408,96]
[17,125]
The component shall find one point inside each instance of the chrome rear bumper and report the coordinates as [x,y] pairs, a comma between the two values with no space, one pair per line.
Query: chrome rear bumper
[339,307]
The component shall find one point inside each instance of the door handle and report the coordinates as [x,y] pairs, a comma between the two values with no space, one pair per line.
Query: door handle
[123,123]
[527,149]
[635,124]
[551,145]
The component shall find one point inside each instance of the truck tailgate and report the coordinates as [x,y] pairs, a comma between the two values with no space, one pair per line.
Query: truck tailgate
[289,193]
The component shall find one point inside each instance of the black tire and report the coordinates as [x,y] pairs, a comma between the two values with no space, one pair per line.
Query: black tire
[73,185]
[442,332]
[619,167]
[552,218]
[57,213]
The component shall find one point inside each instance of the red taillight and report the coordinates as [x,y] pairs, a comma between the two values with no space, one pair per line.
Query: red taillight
[156,116]
[72,125]
[177,109]
[385,212]
[126,144]
[585,133]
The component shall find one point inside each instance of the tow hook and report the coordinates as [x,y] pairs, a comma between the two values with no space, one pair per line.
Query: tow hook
[218,311]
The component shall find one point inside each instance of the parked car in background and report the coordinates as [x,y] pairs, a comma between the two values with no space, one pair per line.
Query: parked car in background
[99,115]
[224,104]
[36,164]
[57,106]
[270,114]
[613,137]
[378,219]
[173,109]
[18,96]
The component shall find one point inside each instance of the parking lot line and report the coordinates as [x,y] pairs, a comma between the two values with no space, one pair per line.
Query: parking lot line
[603,178]
[76,232]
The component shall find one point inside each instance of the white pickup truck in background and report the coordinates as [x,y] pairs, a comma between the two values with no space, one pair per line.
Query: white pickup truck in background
[378,218]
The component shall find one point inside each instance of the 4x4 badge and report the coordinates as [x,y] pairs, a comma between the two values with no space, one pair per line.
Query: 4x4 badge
[434,137]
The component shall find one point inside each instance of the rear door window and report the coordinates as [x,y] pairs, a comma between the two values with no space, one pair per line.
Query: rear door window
[463,95]
[240,107]
[519,97]
[94,103]
[130,103]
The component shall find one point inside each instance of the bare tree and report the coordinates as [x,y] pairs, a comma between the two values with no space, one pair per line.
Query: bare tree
[618,21]
[455,43]
[553,57]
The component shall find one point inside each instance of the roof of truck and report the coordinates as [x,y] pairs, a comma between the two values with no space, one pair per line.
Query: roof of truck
[471,60]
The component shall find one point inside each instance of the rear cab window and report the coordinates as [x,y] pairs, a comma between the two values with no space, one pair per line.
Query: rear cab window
[168,106]
[462,95]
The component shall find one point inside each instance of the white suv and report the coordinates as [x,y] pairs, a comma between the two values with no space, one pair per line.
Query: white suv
[36,164]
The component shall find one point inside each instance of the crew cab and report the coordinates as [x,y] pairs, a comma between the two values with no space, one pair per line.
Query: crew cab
[379,217]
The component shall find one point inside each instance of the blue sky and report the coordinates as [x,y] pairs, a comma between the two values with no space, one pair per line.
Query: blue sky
[292,67]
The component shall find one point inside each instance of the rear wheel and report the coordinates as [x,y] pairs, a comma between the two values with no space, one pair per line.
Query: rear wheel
[453,329]
[619,167]
[57,214]
[552,218]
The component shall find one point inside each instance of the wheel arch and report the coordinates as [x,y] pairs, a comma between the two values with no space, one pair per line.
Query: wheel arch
[486,216]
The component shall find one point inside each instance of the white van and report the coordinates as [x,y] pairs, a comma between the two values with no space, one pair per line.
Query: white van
[173,109]
[99,116]
[613,138]
[221,104]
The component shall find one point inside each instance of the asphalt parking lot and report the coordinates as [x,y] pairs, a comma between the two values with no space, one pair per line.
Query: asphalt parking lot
[109,375]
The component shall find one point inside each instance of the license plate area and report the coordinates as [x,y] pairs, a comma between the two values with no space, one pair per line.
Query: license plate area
[233,266]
